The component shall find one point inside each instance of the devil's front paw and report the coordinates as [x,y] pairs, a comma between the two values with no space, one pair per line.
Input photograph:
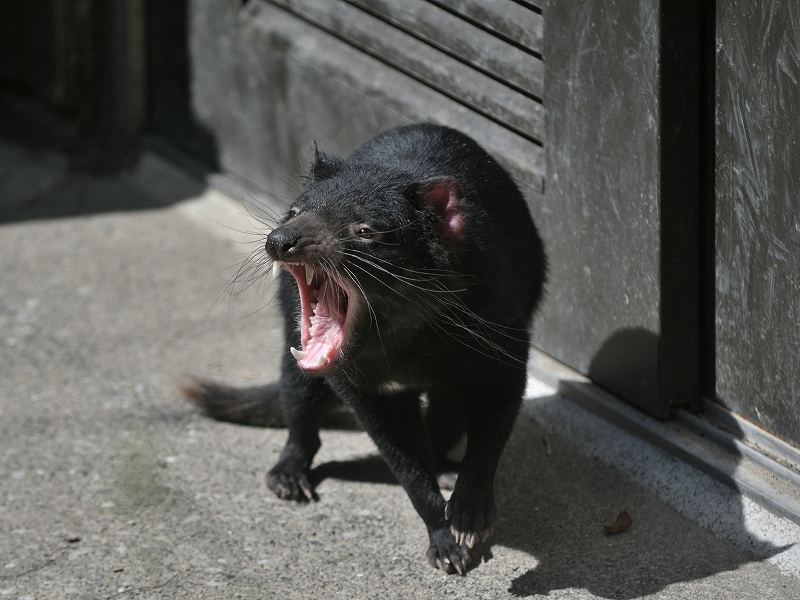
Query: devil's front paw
[290,482]
[471,515]
[446,554]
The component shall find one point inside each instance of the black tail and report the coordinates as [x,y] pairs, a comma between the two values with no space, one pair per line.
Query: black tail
[258,406]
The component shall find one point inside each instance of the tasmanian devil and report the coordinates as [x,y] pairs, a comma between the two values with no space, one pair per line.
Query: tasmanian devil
[412,267]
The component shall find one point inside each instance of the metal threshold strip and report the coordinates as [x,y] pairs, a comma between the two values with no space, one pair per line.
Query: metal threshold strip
[741,463]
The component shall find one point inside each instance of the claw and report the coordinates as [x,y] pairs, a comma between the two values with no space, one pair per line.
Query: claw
[458,568]
[470,540]
[448,511]
[306,489]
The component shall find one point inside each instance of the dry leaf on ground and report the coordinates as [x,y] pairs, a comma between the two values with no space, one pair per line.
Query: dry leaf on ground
[623,523]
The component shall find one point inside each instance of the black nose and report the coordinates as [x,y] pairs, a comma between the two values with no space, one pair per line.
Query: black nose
[282,243]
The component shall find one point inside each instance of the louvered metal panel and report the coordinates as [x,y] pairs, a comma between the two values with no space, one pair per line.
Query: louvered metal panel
[518,23]
[486,56]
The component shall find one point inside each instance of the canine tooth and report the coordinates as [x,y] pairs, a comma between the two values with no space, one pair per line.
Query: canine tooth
[320,361]
[298,354]
[276,267]
[309,274]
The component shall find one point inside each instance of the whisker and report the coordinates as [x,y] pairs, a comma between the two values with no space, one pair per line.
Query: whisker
[450,314]
[372,314]
[409,280]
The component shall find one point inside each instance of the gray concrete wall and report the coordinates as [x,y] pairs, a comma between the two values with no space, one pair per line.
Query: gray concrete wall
[621,201]
[758,213]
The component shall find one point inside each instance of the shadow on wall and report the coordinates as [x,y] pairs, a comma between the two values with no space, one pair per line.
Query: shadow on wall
[627,364]
[59,163]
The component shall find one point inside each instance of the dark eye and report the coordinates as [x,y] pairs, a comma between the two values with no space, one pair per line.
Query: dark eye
[365,233]
[293,212]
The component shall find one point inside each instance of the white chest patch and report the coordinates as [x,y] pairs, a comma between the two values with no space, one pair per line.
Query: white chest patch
[392,386]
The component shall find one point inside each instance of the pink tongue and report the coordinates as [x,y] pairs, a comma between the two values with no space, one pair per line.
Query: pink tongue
[322,341]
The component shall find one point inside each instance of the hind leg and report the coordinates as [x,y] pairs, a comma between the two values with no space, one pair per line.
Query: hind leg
[446,424]
[490,414]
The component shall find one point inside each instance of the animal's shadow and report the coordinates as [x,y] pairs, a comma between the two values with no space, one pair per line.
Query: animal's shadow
[552,504]
[370,469]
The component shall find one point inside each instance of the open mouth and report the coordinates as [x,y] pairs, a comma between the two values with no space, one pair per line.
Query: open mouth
[323,305]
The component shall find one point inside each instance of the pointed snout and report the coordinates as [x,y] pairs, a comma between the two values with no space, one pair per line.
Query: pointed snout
[283,243]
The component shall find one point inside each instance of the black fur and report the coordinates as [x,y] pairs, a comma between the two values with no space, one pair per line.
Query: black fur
[433,246]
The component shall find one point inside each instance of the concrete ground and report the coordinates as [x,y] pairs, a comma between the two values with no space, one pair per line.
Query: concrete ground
[112,289]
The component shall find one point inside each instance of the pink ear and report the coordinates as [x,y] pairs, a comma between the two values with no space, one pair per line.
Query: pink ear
[443,196]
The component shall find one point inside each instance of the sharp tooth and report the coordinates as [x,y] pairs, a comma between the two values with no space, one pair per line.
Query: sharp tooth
[309,274]
[298,354]
[313,307]
[320,360]
[276,267]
